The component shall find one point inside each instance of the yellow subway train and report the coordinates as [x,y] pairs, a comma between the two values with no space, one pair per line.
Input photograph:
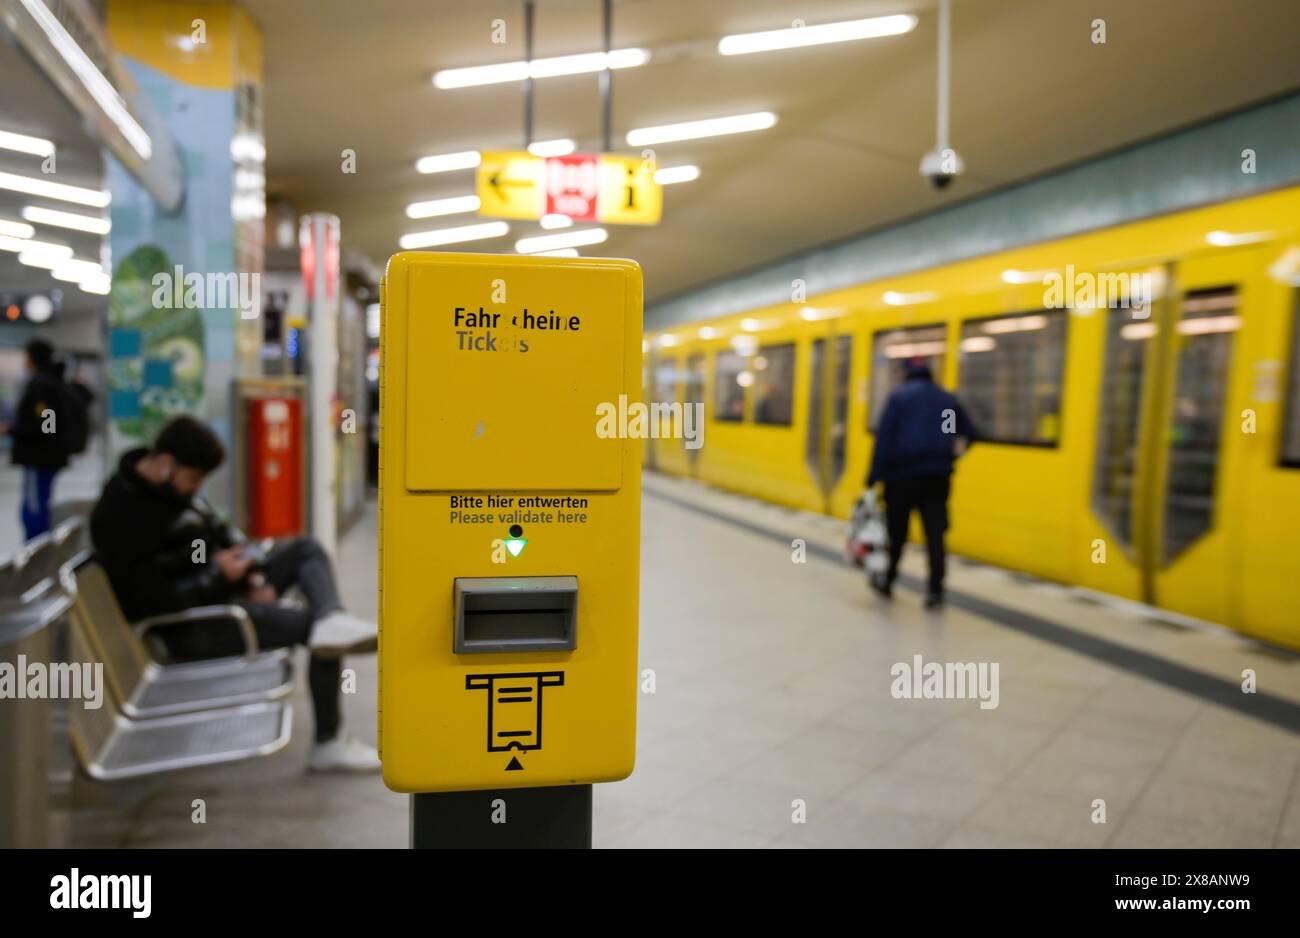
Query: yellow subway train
[1136,391]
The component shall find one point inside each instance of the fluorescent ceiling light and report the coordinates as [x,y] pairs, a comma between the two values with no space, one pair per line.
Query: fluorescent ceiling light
[692,130]
[75,269]
[671,174]
[916,349]
[21,143]
[758,325]
[99,284]
[1201,326]
[445,162]
[1014,324]
[455,205]
[814,314]
[428,239]
[247,147]
[567,239]
[53,190]
[48,216]
[70,271]
[774,39]
[100,88]
[23,245]
[45,259]
[553,221]
[559,252]
[552,147]
[1135,331]
[1012,275]
[16,229]
[894,298]
[979,343]
[539,68]
[708,332]
[1227,239]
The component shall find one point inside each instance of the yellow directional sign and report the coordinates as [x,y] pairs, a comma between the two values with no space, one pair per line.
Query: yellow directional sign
[509,185]
[629,194]
[617,190]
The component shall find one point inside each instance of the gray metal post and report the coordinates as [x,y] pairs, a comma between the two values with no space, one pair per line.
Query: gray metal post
[515,818]
[528,82]
[607,80]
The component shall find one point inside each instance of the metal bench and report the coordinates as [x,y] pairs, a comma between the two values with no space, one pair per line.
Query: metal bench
[144,688]
[111,747]
[29,609]
[29,597]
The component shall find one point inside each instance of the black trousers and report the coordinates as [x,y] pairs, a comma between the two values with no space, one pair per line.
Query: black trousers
[929,496]
[300,562]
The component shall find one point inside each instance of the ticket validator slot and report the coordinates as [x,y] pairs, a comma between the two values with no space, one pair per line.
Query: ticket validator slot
[521,613]
[510,521]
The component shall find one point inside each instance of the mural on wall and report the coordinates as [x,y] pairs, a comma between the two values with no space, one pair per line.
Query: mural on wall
[184,305]
[156,352]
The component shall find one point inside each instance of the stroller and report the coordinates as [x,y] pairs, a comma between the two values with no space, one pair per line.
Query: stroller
[868,543]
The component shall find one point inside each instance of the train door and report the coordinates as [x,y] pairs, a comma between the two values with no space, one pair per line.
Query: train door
[693,386]
[1162,449]
[828,413]
[648,364]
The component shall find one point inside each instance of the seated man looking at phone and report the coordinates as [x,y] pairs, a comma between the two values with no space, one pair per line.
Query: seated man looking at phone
[164,549]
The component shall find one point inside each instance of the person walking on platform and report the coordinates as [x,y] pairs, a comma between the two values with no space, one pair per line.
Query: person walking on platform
[164,550]
[40,436]
[915,448]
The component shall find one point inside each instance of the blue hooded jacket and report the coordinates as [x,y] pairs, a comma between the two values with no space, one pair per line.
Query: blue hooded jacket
[910,440]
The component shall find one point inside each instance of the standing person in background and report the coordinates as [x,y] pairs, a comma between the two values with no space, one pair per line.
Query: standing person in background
[38,446]
[916,446]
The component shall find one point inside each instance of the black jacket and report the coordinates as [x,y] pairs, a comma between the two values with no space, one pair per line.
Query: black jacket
[144,537]
[918,432]
[33,447]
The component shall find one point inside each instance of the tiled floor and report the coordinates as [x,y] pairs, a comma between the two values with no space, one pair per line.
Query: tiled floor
[772,721]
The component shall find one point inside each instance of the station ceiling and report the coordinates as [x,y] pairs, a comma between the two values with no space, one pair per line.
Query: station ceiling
[1030,92]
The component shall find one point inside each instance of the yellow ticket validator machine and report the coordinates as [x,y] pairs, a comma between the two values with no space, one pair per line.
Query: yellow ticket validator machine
[509,522]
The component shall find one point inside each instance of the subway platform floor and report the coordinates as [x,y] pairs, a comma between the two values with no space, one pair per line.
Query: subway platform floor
[772,721]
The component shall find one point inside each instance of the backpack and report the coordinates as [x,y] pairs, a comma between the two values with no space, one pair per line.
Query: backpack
[74,421]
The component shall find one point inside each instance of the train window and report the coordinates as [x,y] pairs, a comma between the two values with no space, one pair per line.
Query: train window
[664,388]
[1011,375]
[1291,430]
[1123,376]
[890,352]
[730,378]
[1209,318]
[694,379]
[693,393]
[773,369]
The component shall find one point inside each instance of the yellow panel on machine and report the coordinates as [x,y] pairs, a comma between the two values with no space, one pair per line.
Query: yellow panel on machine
[509,528]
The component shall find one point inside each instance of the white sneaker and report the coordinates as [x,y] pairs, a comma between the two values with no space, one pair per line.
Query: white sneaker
[341,633]
[343,754]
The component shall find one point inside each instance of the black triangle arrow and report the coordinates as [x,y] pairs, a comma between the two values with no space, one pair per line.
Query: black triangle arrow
[498,183]
[514,765]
